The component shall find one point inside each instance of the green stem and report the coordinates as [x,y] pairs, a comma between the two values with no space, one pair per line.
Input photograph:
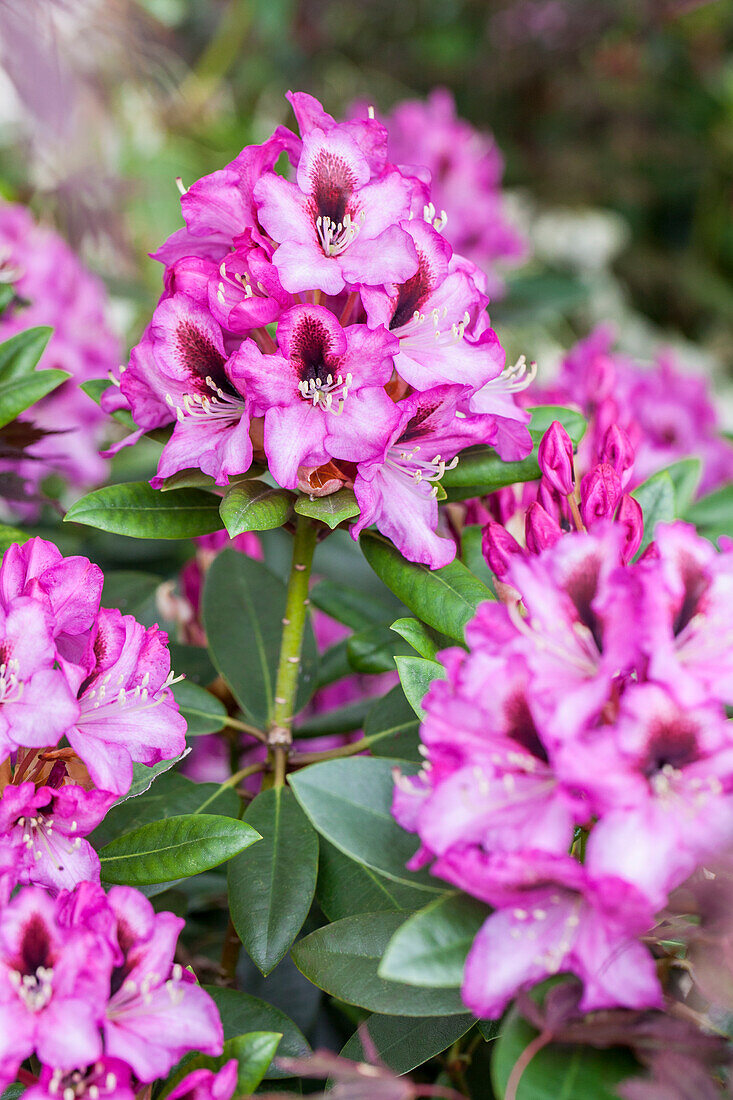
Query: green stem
[280,734]
[333,754]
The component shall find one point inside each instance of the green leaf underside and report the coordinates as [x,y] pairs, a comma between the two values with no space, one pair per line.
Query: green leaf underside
[254,506]
[405,1042]
[342,959]
[430,948]
[331,510]
[241,1012]
[137,510]
[446,599]
[349,802]
[416,676]
[177,847]
[204,713]
[271,885]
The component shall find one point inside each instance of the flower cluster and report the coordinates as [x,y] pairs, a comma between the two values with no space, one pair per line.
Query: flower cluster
[53,288]
[667,414]
[323,322]
[89,985]
[579,761]
[466,169]
[562,505]
[93,677]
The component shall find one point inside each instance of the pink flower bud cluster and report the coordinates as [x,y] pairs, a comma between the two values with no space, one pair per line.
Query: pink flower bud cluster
[563,505]
[322,322]
[579,759]
[89,985]
[465,169]
[52,287]
[71,670]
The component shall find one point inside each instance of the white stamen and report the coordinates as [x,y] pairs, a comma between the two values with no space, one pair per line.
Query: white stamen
[335,237]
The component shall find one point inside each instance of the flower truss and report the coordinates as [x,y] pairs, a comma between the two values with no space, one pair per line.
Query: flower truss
[320,321]
[579,760]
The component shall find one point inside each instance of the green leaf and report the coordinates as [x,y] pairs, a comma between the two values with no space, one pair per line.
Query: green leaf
[349,801]
[94,389]
[445,599]
[331,510]
[188,479]
[685,476]
[342,959]
[346,887]
[254,506]
[350,606]
[338,720]
[423,640]
[240,1012]
[373,650]
[193,661]
[129,590]
[416,676]
[557,1072]
[271,885]
[20,393]
[243,608]
[21,354]
[405,1042]
[177,847]
[713,513]
[656,497]
[204,713]
[430,948]
[172,795]
[136,509]
[392,729]
[472,554]
[254,1053]
[144,775]
[543,416]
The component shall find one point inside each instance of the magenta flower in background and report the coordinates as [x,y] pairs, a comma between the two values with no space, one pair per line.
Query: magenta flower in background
[54,288]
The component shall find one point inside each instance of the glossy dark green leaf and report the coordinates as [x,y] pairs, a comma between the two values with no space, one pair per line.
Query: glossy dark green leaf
[129,590]
[177,847]
[193,662]
[346,888]
[144,775]
[342,959]
[472,554]
[254,506]
[253,1051]
[656,497]
[421,638]
[416,676]
[392,729]
[331,510]
[20,355]
[171,795]
[204,713]
[350,606]
[135,509]
[271,885]
[567,1072]
[713,513]
[349,801]
[373,650]
[243,608]
[405,1042]
[430,948]
[445,599]
[240,1013]
[188,479]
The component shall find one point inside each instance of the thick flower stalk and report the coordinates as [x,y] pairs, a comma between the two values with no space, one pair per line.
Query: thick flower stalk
[579,760]
[320,321]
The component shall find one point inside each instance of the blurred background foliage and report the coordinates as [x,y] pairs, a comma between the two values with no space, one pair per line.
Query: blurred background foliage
[615,118]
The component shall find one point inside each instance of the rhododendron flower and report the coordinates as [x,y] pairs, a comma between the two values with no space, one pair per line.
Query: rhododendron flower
[53,288]
[53,985]
[105,1079]
[127,710]
[156,1012]
[335,226]
[204,1084]
[44,827]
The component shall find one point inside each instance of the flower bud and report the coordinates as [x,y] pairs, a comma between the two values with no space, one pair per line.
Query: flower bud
[541,530]
[618,450]
[498,547]
[600,492]
[630,516]
[551,501]
[555,457]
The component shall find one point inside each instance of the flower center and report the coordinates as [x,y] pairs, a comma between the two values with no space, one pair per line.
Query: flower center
[423,473]
[11,686]
[79,1083]
[35,990]
[336,236]
[322,392]
[215,406]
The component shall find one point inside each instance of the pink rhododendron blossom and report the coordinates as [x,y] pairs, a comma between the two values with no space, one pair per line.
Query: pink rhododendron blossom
[465,169]
[53,288]
[205,1084]
[105,1079]
[298,315]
